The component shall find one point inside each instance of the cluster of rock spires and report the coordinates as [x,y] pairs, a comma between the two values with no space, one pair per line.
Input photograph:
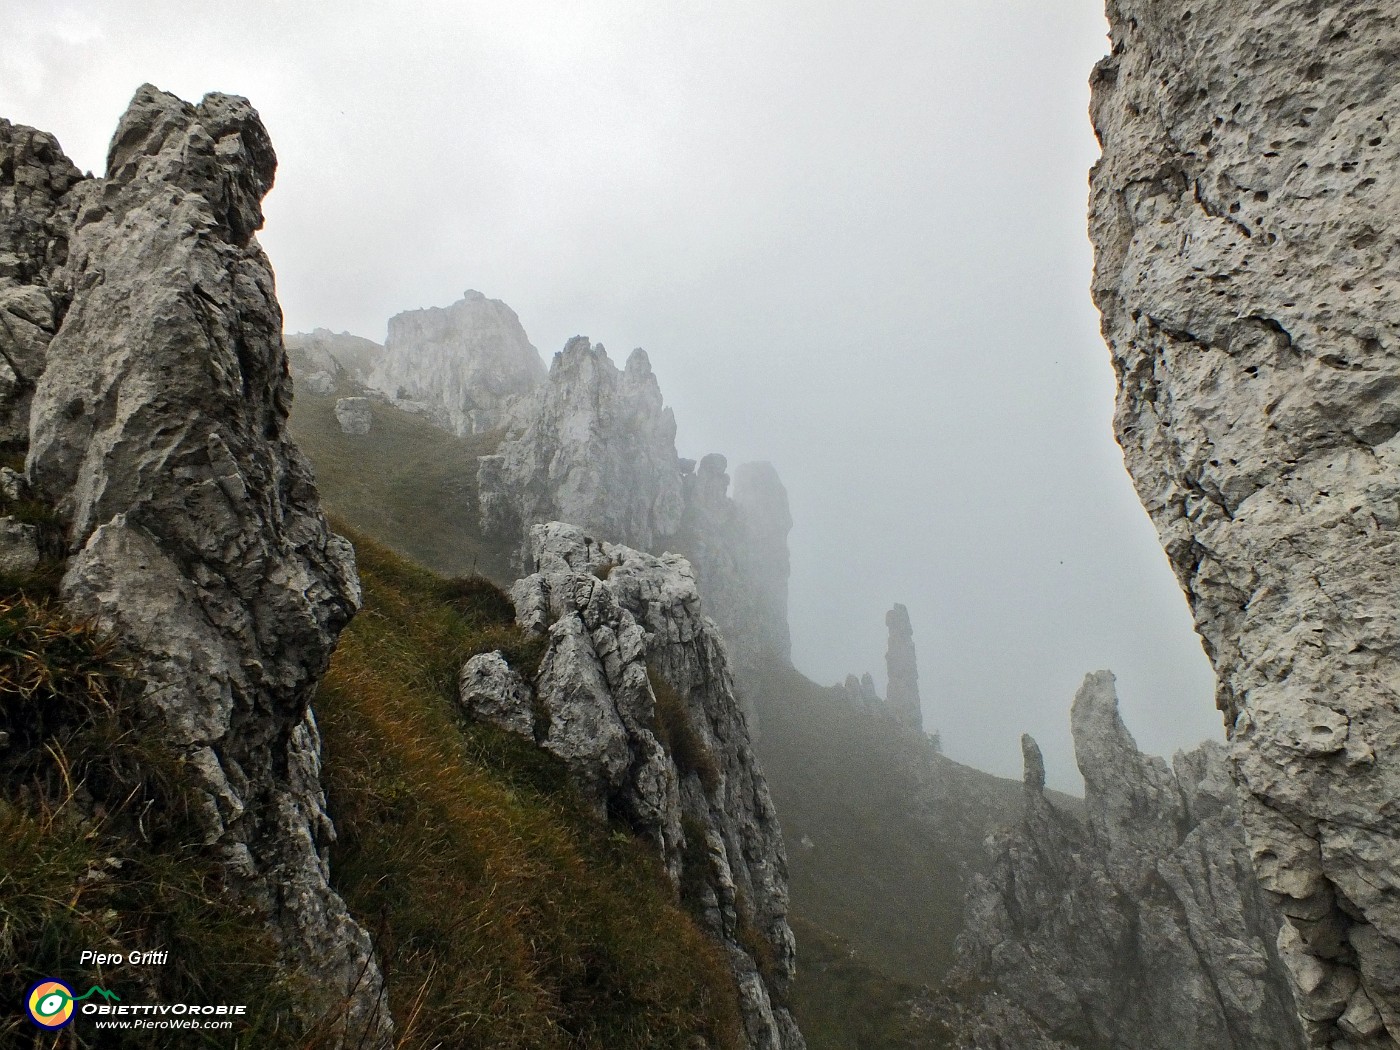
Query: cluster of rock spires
[1138,926]
[586,443]
[1244,216]
[902,701]
[636,696]
[148,384]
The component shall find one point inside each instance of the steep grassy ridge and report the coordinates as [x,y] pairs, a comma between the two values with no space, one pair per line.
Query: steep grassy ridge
[506,916]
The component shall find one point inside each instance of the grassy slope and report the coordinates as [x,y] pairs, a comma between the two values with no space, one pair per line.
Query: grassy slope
[506,917]
[408,483]
[896,829]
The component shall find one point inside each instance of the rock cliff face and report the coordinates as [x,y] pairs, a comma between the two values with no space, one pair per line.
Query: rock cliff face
[158,430]
[1140,927]
[635,695]
[35,178]
[902,666]
[464,364]
[322,360]
[1244,215]
[596,446]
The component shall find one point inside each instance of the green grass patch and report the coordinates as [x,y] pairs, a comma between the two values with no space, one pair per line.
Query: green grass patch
[678,735]
[506,917]
[407,482]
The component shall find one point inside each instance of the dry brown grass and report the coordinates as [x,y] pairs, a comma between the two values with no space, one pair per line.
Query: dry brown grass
[506,917]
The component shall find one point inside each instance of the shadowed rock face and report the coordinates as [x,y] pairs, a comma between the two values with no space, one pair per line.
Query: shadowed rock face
[159,432]
[35,178]
[1245,215]
[902,668]
[621,625]
[1139,928]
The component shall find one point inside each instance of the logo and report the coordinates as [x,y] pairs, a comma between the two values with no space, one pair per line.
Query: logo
[50,1002]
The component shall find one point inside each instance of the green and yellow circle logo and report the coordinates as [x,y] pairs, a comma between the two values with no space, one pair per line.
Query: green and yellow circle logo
[50,1004]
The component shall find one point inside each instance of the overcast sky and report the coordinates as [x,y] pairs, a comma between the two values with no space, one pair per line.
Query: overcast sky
[850,236]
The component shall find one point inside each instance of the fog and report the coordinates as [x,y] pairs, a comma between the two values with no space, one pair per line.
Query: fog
[851,238]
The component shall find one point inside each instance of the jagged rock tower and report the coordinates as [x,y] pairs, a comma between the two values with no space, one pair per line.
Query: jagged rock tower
[902,668]
[148,379]
[1245,217]
[1139,926]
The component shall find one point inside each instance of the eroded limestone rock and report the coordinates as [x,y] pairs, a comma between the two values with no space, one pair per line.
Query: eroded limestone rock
[321,361]
[354,415]
[35,178]
[596,445]
[465,363]
[636,696]
[159,431]
[1244,216]
[1140,927]
[902,691]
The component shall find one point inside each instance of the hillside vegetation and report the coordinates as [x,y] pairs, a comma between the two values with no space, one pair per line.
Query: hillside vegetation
[507,917]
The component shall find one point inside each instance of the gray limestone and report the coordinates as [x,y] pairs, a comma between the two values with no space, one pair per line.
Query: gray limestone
[902,691]
[159,432]
[466,364]
[1245,217]
[1140,926]
[19,547]
[321,361]
[354,415]
[596,445]
[35,214]
[628,635]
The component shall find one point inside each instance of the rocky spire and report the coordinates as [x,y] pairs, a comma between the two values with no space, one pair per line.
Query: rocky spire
[902,693]
[1245,215]
[1138,926]
[635,695]
[159,431]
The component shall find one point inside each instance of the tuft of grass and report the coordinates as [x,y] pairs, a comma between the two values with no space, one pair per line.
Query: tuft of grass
[679,736]
[507,917]
[100,847]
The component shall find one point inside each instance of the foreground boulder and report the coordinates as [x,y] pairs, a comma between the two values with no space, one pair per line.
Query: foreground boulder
[1140,926]
[159,432]
[635,695]
[1245,216]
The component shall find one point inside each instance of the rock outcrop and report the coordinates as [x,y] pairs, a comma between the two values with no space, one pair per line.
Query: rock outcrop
[321,361]
[35,216]
[1141,926]
[635,695]
[465,364]
[902,691]
[354,415]
[596,446]
[159,432]
[1244,216]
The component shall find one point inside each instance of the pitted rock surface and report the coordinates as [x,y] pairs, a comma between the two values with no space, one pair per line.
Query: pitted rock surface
[1140,927]
[621,623]
[159,431]
[1245,214]
[465,363]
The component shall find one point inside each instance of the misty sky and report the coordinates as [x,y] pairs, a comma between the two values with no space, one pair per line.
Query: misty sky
[850,236]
